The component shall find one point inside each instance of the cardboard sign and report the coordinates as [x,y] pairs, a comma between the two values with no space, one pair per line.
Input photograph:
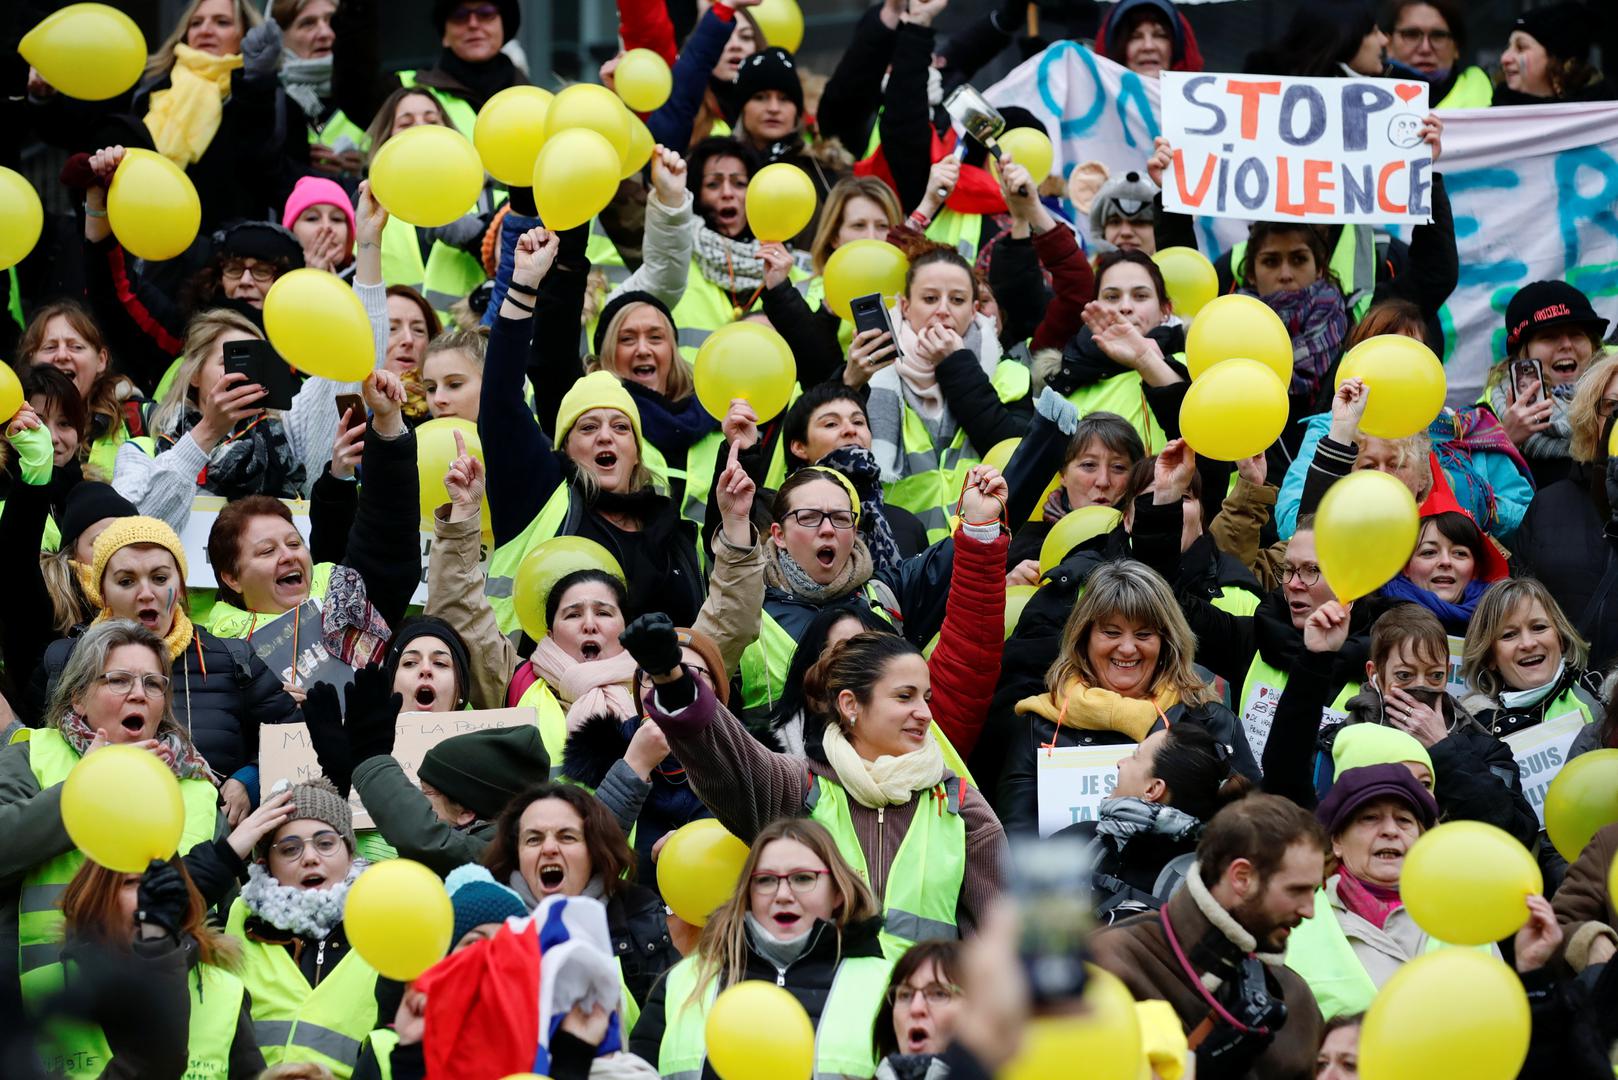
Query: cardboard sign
[285,752]
[1073,780]
[1268,148]
[419,597]
[1541,751]
[1456,685]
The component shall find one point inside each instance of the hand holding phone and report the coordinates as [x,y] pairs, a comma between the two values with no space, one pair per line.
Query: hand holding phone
[257,360]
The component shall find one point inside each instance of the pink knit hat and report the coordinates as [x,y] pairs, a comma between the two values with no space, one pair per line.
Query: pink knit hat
[316,191]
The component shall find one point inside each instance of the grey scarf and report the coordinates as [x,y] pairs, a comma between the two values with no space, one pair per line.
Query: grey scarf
[592,888]
[308,82]
[785,574]
[1121,820]
[783,954]
[308,913]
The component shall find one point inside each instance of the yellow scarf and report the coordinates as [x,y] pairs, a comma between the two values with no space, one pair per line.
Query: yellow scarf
[184,118]
[1094,708]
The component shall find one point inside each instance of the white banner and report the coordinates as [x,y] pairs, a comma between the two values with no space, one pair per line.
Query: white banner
[1073,780]
[1541,751]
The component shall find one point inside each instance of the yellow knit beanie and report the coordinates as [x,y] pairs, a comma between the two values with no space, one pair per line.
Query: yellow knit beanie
[124,532]
[597,390]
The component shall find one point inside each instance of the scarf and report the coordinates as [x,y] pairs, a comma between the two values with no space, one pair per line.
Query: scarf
[307,81]
[1373,903]
[176,640]
[859,466]
[913,1067]
[308,913]
[482,79]
[184,761]
[1556,440]
[1095,708]
[1455,617]
[184,118]
[1316,318]
[783,954]
[913,382]
[784,573]
[1121,820]
[733,265]
[1514,700]
[670,425]
[887,781]
[256,459]
[586,689]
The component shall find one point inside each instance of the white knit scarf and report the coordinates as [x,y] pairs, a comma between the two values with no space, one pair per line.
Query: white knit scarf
[308,913]
[887,781]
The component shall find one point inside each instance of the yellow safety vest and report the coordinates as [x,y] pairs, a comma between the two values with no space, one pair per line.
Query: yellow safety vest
[457,110]
[1353,260]
[229,621]
[1125,395]
[294,1022]
[842,1037]
[445,279]
[104,451]
[1262,689]
[1472,90]
[382,1042]
[550,716]
[39,907]
[960,231]
[505,560]
[338,127]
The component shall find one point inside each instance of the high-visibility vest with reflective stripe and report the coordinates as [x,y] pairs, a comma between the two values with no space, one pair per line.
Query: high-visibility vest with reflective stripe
[923,887]
[704,307]
[505,560]
[960,231]
[295,1022]
[1318,950]
[842,1037]
[1261,676]
[1473,90]
[1125,395]
[338,127]
[549,715]
[382,1042]
[80,1050]
[697,474]
[458,110]
[39,909]
[1353,260]
[448,275]
[765,662]
[932,482]
[228,620]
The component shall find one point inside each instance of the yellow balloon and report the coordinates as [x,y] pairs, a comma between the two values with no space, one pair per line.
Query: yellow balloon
[21,218]
[1582,799]
[435,450]
[999,454]
[87,51]
[10,394]
[319,326]
[575,177]
[1085,523]
[643,80]
[121,806]
[781,23]
[1105,1037]
[1191,278]
[550,562]
[1365,530]
[861,267]
[1235,325]
[586,105]
[1467,883]
[758,1031]
[1031,148]
[1404,384]
[1017,597]
[780,202]
[641,145]
[1234,410]
[698,869]
[428,175]
[398,918]
[745,360]
[509,131]
[1454,1012]
[152,206]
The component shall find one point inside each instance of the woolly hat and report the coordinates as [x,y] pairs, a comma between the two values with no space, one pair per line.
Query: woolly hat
[1358,745]
[485,770]
[318,191]
[1356,787]
[479,900]
[1564,29]
[420,626]
[597,390]
[510,16]
[1542,305]
[770,69]
[259,240]
[618,303]
[91,501]
[705,647]
[1130,196]
[318,800]
[132,530]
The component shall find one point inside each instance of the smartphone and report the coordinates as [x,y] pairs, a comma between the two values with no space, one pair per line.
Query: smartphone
[1050,879]
[346,402]
[870,313]
[259,361]
[1523,374]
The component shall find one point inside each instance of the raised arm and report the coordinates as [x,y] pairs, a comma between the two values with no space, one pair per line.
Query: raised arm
[734,608]
[666,253]
[385,546]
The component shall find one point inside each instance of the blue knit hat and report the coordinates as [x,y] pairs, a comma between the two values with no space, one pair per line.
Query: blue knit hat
[478,899]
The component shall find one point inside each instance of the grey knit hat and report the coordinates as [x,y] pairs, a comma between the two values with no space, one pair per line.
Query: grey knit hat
[319,800]
[1129,195]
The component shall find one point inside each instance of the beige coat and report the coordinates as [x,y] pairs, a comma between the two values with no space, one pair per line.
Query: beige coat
[1236,529]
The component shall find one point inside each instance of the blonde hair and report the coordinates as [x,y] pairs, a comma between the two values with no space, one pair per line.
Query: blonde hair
[161,62]
[69,606]
[201,334]
[837,200]
[1496,606]
[681,382]
[473,343]
[1583,415]
[1131,590]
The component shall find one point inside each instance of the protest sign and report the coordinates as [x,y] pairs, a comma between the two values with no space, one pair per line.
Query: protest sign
[1072,781]
[285,752]
[1541,751]
[292,641]
[1298,149]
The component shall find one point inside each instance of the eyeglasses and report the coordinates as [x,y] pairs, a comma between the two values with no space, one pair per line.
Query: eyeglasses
[935,993]
[123,683]
[326,843]
[1309,575]
[467,12]
[800,881]
[811,519]
[1411,36]
[261,271]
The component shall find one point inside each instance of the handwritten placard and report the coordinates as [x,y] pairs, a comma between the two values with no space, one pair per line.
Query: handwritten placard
[1073,780]
[1541,751]
[285,752]
[1276,149]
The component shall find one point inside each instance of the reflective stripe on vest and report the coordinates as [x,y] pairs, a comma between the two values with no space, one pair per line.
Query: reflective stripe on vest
[549,715]
[1473,90]
[39,914]
[508,557]
[842,1037]
[291,1021]
[695,478]
[923,886]
[703,308]
[766,661]
[605,256]
[457,110]
[448,275]
[1261,674]
[1353,260]
[228,620]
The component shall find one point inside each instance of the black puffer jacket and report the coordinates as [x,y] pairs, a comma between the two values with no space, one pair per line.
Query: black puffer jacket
[222,693]
[638,922]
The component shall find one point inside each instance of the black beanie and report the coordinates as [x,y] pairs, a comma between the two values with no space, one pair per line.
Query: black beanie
[1564,30]
[87,503]
[485,770]
[510,16]
[771,69]
[618,303]
[419,626]
[259,240]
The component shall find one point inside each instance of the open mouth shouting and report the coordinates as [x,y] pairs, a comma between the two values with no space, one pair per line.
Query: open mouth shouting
[148,617]
[826,555]
[312,879]
[1565,366]
[729,216]
[788,920]
[644,372]
[606,461]
[590,649]
[551,875]
[1389,855]
[425,696]
[134,723]
[918,1038]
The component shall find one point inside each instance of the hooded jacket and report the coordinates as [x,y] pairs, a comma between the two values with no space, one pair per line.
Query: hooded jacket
[1187,56]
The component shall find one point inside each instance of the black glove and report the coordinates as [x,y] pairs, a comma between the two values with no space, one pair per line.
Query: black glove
[162,899]
[323,714]
[372,714]
[650,640]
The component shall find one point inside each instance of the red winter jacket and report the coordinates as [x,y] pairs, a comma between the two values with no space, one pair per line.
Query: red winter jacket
[965,665]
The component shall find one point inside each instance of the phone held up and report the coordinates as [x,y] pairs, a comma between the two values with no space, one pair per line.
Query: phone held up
[261,364]
[870,313]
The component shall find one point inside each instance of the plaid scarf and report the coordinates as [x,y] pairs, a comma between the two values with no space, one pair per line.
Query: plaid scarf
[184,761]
[859,465]
[1317,320]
